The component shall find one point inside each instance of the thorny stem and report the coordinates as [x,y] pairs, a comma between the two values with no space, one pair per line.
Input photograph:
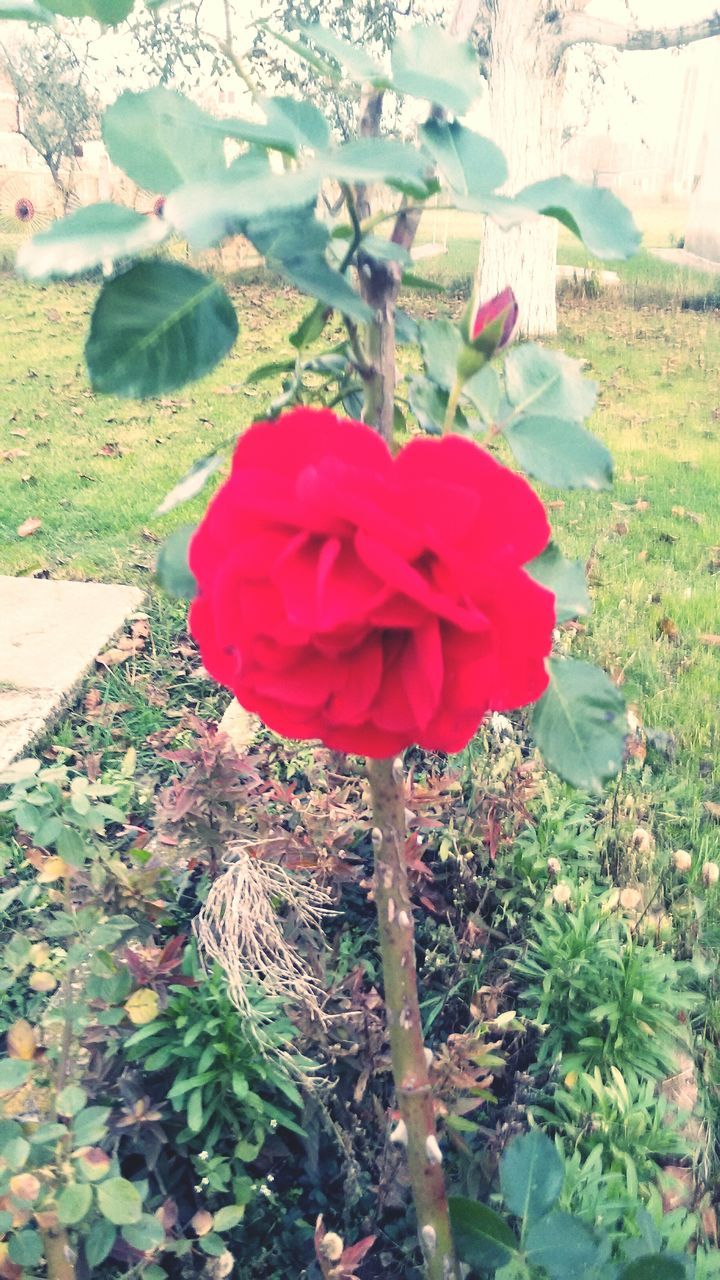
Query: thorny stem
[59,1254]
[379,285]
[407,1049]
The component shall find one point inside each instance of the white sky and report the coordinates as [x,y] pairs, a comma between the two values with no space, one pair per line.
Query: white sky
[655,80]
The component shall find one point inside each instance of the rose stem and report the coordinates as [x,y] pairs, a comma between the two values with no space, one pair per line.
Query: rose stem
[407,1049]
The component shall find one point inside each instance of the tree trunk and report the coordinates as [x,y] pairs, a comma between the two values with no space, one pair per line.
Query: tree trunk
[526,91]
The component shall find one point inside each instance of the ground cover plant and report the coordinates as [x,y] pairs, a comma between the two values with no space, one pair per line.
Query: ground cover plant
[467,855]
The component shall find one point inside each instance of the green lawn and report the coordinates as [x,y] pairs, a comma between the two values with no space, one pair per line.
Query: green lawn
[94,469]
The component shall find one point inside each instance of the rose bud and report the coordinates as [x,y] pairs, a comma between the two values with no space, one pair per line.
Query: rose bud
[682,860]
[501,312]
[710,874]
[486,329]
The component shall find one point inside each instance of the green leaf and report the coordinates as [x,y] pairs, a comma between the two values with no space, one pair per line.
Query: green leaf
[471,164]
[302,50]
[483,392]
[429,63]
[654,1267]
[15,1153]
[385,250]
[46,1133]
[546,383]
[119,1201]
[13,1073]
[173,570]
[313,275]
[559,453]
[90,1126]
[74,1202]
[580,724]
[157,327]
[160,139]
[206,212]
[48,832]
[531,1176]
[291,124]
[88,238]
[195,1111]
[310,328]
[566,580]
[212,1244]
[269,370]
[429,403]
[108,12]
[98,1242]
[441,346]
[229,1216]
[379,160]
[71,847]
[192,483]
[25,1248]
[146,1235]
[352,57]
[483,1239]
[71,1099]
[24,11]
[412,281]
[596,216]
[562,1245]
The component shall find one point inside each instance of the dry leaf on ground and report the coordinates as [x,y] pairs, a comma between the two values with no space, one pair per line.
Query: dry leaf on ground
[28,527]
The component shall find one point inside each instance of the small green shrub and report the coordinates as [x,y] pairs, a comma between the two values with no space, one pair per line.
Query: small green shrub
[602,997]
[623,1116]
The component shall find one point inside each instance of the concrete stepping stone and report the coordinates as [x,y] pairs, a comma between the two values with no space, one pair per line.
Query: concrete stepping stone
[50,635]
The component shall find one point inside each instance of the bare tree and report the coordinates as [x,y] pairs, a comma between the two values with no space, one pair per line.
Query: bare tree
[526,44]
[57,108]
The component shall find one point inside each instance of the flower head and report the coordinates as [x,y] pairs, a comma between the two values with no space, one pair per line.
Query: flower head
[710,874]
[682,860]
[369,601]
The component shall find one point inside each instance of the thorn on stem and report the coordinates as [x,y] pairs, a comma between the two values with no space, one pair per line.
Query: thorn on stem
[391,910]
[399,1134]
[403,919]
[377,839]
[432,1149]
[428,1235]
[397,769]
[428,1056]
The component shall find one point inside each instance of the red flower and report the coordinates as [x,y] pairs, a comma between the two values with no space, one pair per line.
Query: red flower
[502,307]
[368,601]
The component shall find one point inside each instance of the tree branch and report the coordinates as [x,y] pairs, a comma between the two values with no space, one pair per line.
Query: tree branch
[581,28]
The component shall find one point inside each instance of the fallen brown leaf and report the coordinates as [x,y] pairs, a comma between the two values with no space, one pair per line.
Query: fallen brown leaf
[113,657]
[9,455]
[28,527]
[713,809]
[708,637]
[666,627]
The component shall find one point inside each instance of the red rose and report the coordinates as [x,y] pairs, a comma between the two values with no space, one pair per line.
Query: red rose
[368,601]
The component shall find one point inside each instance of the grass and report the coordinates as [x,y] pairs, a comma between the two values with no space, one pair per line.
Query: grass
[93,470]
